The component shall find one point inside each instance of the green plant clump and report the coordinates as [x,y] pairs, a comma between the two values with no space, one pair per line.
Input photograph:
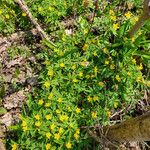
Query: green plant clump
[93,71]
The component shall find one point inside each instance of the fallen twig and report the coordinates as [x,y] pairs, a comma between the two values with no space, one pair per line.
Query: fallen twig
[41,32]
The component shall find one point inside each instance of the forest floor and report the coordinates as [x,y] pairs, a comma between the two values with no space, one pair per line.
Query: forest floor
[18,75]
[19,70]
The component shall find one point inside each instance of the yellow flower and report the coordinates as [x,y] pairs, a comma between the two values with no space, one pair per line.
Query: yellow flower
[135,19]
[85,47]
[129,73]
[139,79]
[50,8]
[37,123]
[139,32]
[147,83]
[48,135]
[128,15]
[63,118]
[47,104]
[84,63]
[51,95]
[13,12]
[85,31]
[140,67]
[143,81]
[116,104]
[59,100]
[134,61]
[60,130]
[52,126]
[40,102]
[48,146]
[48,117]
[89,99]
[73,67]
[7,16]
[115,26]
[78,110]
[106,62]
[68,145]
[94,115]
[40,9]
[25,128]
[47,62]
[62,65]
[112,66]
[58,111]
[37,117]
[105,50]
[66,117]
[95,53]
[108,113]
[118,78]
[101,84]
[76,136]
[95,69]
[114,18]
[77,131]
[24,123]
[133,39]
[14,147]
[75,80]
[80,74]
[47,84]
[24,14]
[69,109]
[56,136]
[111,12]
[95,98]
[1,12]
[50,72]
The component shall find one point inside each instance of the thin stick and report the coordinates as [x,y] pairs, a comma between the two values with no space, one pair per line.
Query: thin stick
[41,32]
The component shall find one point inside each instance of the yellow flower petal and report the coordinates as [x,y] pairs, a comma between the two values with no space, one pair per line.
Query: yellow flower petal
[68,145]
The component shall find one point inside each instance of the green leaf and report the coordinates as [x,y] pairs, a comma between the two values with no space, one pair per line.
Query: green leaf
[2,110]
[14,127]
[143,54]
[123,29]
[49,44]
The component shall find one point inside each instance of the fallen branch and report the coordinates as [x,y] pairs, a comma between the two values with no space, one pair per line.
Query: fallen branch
[134,129]
[41,32]
[144,17]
